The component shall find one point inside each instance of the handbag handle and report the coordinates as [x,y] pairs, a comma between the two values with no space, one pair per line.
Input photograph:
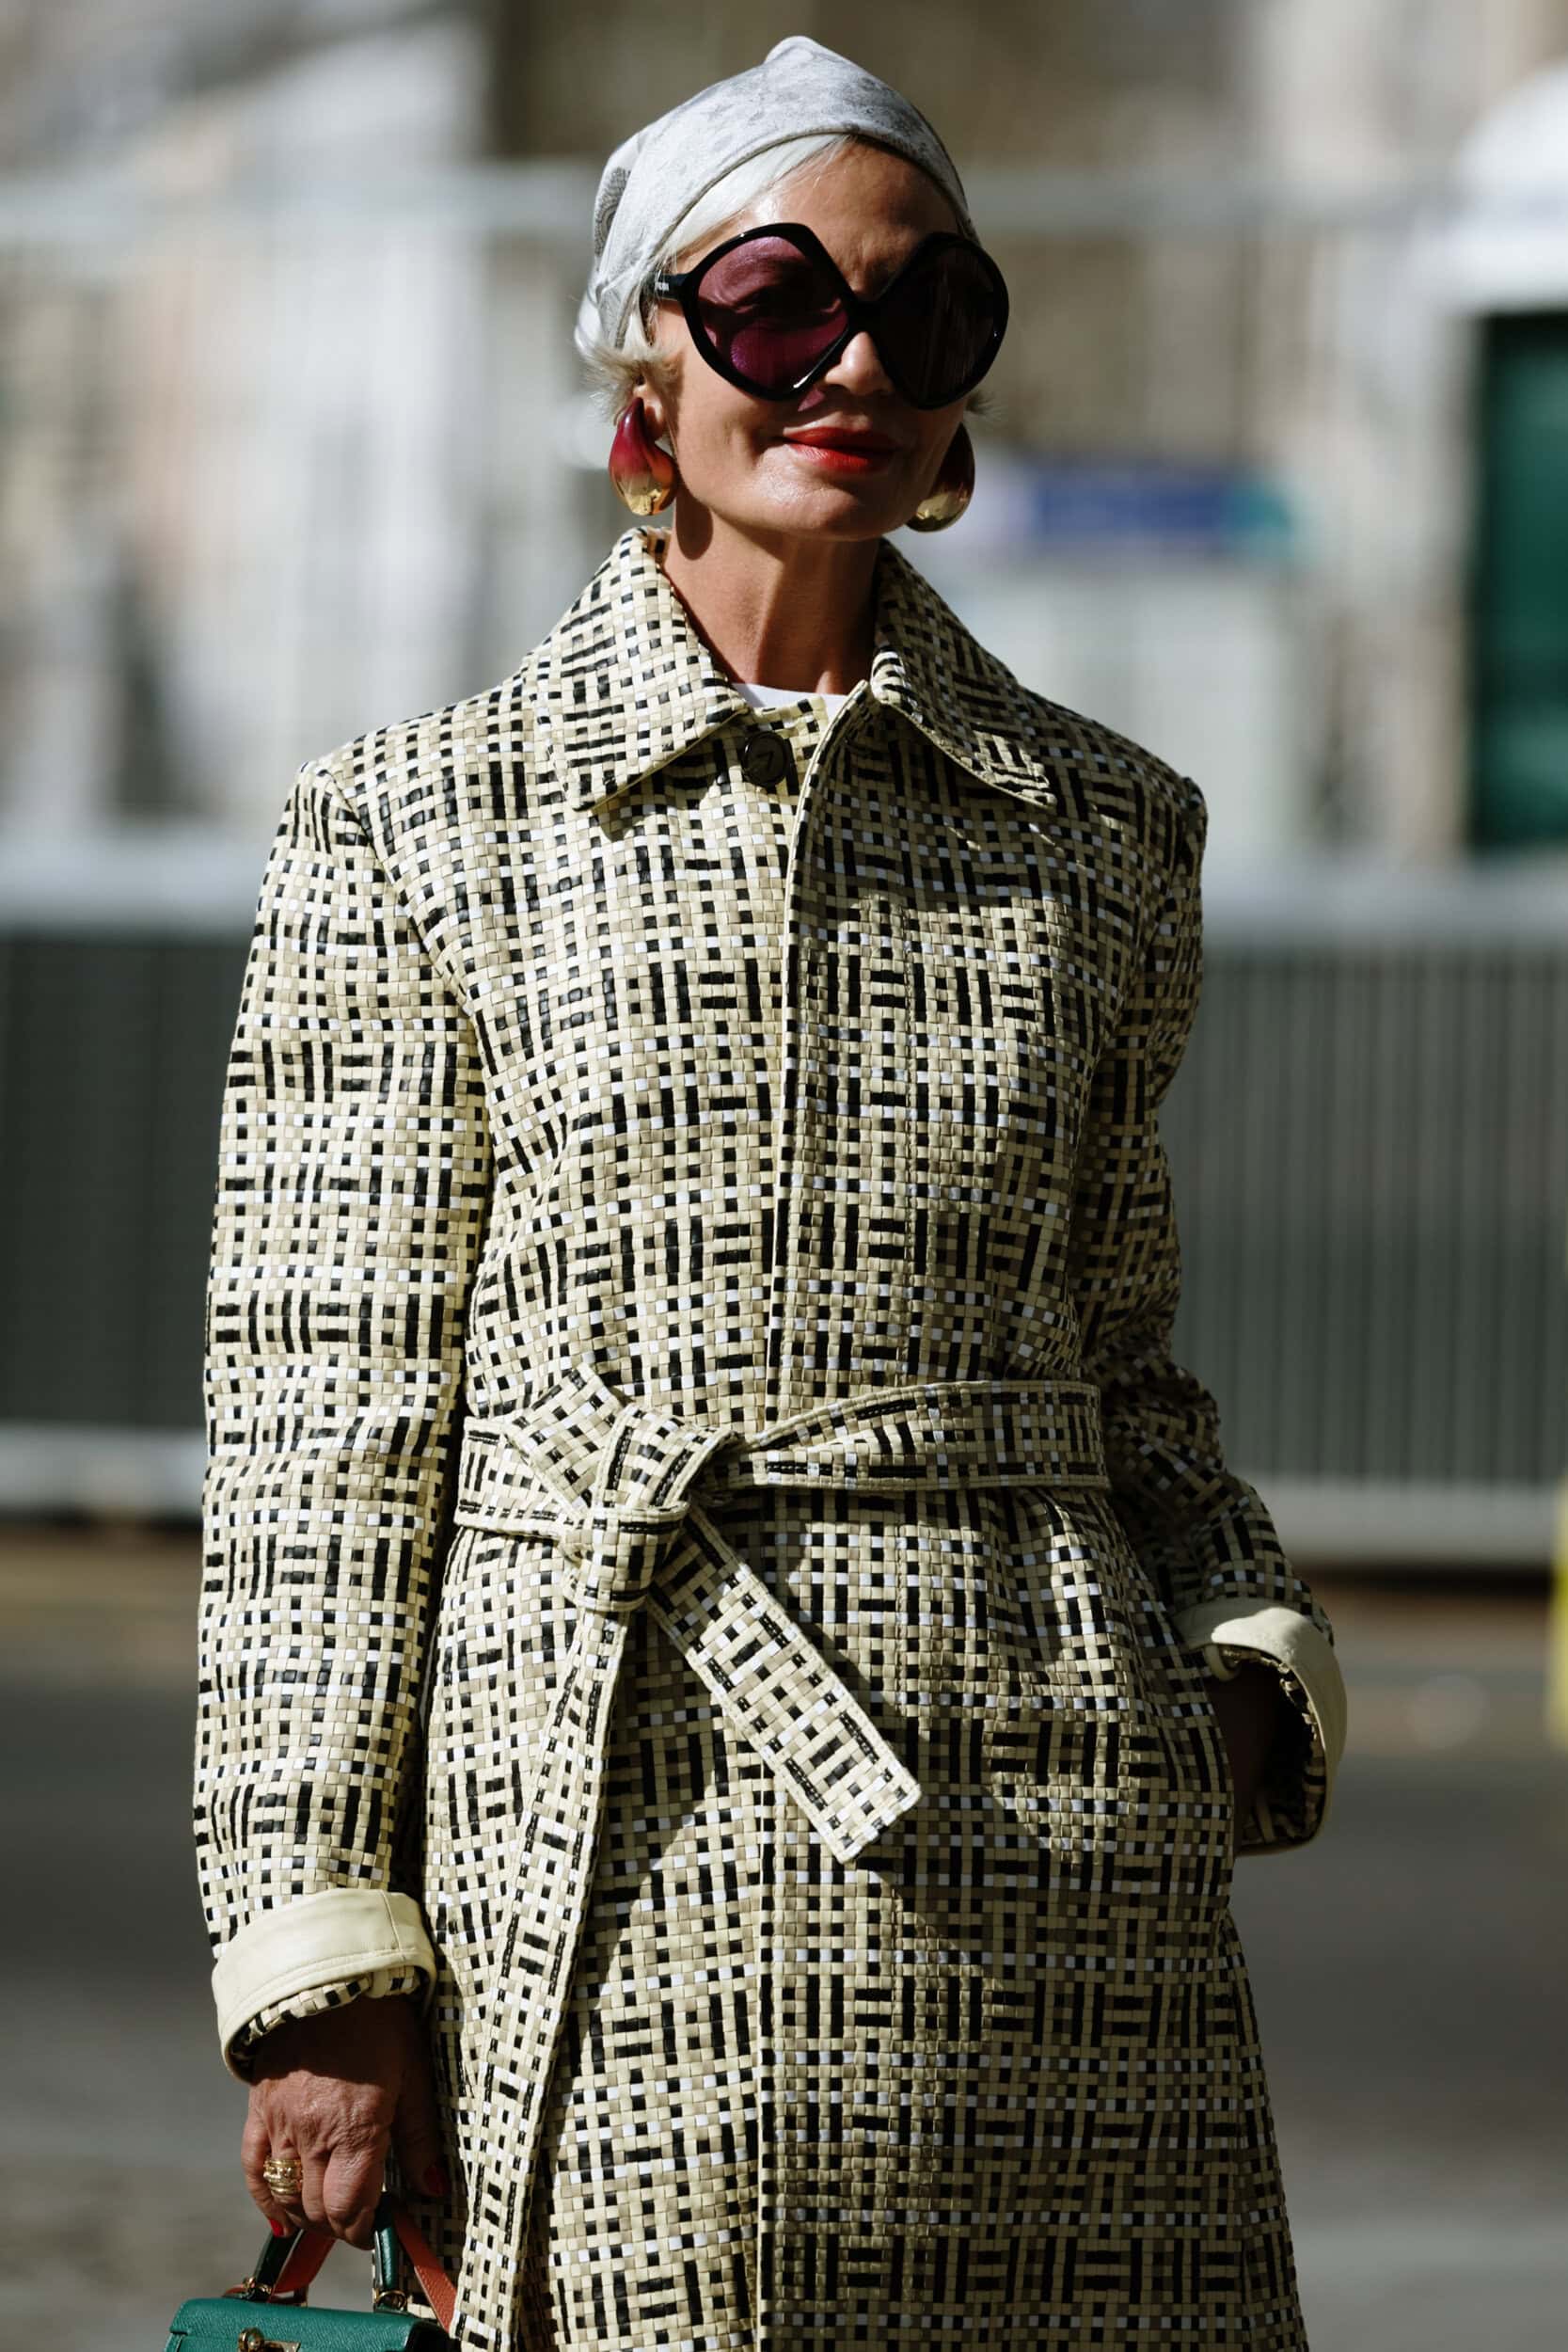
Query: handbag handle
[287,2265]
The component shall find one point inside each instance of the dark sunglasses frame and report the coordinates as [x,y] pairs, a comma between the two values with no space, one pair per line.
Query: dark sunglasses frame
[861,311]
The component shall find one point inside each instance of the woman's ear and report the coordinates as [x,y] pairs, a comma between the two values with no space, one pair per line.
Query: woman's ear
[656,408]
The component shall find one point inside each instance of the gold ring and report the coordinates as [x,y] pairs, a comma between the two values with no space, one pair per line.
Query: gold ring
[283,2175]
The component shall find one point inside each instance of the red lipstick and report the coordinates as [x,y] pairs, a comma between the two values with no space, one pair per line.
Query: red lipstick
[839,450]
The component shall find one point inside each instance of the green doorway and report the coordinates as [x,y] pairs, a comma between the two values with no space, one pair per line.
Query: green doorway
[1519,607]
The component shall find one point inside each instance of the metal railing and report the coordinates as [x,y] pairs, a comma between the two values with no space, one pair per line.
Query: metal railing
[1369,1143]
[1369,1138]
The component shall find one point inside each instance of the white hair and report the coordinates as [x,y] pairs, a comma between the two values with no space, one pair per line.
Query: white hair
[615,372]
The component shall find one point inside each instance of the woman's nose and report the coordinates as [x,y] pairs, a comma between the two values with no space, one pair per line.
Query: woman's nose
[858,367]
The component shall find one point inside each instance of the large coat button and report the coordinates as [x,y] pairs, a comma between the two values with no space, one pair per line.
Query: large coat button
[764,757]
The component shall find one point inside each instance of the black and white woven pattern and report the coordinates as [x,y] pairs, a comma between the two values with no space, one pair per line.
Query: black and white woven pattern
[701,1500]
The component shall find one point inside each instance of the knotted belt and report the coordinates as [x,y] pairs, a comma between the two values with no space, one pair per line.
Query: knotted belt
[615,1485]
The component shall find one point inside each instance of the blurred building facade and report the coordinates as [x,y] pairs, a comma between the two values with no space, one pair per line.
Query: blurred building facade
[292,460]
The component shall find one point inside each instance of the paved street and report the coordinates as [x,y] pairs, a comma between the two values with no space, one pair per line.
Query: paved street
[1408,1974]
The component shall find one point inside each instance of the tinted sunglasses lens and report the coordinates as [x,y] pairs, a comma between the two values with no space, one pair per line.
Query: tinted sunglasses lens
[937,331]
[769,311]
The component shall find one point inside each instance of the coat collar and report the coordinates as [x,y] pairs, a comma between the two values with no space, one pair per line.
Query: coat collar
[626,685]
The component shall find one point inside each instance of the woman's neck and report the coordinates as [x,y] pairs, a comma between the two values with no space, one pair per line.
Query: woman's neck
[783,611]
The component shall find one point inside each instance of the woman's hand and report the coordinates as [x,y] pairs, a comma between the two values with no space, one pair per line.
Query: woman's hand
[1250,1708]
[335,2090]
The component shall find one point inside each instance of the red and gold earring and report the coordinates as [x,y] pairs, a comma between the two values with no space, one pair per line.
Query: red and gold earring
[953,488]
[643,474]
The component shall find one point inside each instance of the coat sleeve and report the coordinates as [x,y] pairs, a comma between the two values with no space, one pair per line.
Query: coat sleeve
[352,1178]
[1202,1535]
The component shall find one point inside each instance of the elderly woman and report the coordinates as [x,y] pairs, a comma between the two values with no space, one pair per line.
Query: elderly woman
[734,1668]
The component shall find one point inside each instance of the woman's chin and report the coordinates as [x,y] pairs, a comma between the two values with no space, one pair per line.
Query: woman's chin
[840,510]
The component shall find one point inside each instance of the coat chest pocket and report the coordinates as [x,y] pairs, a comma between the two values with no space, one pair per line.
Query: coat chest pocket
[1002,1049]
[1010,967]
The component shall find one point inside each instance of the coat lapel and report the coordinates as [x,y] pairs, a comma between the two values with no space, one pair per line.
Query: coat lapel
[928,668]
[626,685]
[624,681]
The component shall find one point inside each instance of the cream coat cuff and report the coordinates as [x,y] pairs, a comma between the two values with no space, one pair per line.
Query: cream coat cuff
[1271,1630]
[319,1939]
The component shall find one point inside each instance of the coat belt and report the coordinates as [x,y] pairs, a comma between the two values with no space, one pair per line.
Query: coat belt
[616,1487]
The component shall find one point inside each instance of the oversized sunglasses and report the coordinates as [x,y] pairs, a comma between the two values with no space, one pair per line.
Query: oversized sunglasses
[770,310]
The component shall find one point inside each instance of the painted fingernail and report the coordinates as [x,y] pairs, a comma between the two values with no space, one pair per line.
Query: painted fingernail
[280,2229]
[435,2182]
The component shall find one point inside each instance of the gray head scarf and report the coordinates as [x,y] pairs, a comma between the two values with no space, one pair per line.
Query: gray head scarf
[800,90]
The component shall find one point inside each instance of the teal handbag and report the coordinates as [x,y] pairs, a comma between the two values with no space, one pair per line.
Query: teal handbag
[280,2320]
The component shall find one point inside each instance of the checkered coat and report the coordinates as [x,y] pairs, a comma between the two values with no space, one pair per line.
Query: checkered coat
[710,1564]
